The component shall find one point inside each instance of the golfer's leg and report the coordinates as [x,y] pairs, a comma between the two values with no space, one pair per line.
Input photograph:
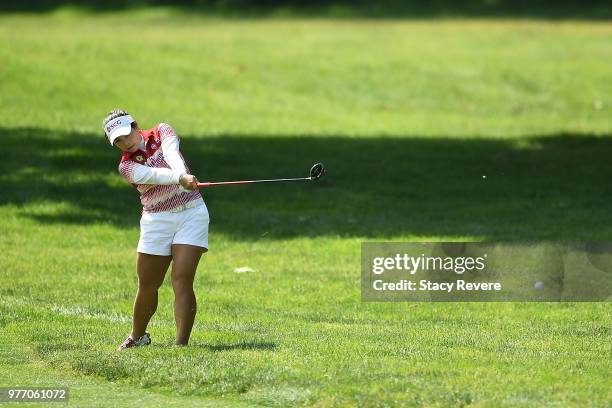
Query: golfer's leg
[185,262]
[151,271]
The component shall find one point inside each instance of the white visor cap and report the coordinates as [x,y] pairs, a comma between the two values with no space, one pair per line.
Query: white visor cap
[121,126]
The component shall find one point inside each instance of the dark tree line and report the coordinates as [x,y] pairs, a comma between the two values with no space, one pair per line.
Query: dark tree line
[599,9]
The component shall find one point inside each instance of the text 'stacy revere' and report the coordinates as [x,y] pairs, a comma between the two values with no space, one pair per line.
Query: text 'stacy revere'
[459,271]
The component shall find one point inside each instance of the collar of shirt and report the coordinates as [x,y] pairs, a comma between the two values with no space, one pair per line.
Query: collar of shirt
[142,146]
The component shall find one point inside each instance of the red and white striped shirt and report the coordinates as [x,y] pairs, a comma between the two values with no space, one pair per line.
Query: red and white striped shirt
[155,169]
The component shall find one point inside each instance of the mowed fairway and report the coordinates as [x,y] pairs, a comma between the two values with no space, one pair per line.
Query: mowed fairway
[408,117]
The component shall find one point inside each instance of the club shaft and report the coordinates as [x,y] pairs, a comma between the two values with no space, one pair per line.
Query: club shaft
[225,183]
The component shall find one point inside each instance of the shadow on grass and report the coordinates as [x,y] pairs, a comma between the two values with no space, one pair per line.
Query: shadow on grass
[541,187]
[238,346]
[381,9]
[223,347]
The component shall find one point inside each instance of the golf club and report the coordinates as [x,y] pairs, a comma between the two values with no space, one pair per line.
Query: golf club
[316,171]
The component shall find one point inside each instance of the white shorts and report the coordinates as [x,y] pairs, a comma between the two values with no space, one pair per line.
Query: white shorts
[158,231]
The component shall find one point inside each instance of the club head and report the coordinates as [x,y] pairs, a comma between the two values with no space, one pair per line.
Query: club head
[316,171]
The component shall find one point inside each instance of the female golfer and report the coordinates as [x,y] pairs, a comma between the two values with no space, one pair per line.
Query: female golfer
[174,222]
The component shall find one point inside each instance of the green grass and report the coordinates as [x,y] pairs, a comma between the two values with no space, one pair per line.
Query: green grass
[407,116]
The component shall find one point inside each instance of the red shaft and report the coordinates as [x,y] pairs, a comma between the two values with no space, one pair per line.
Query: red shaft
[224,183]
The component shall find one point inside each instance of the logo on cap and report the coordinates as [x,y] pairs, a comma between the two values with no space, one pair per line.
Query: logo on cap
[113,125]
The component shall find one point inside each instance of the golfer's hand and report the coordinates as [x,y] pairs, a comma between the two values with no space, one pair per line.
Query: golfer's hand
[188,181]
